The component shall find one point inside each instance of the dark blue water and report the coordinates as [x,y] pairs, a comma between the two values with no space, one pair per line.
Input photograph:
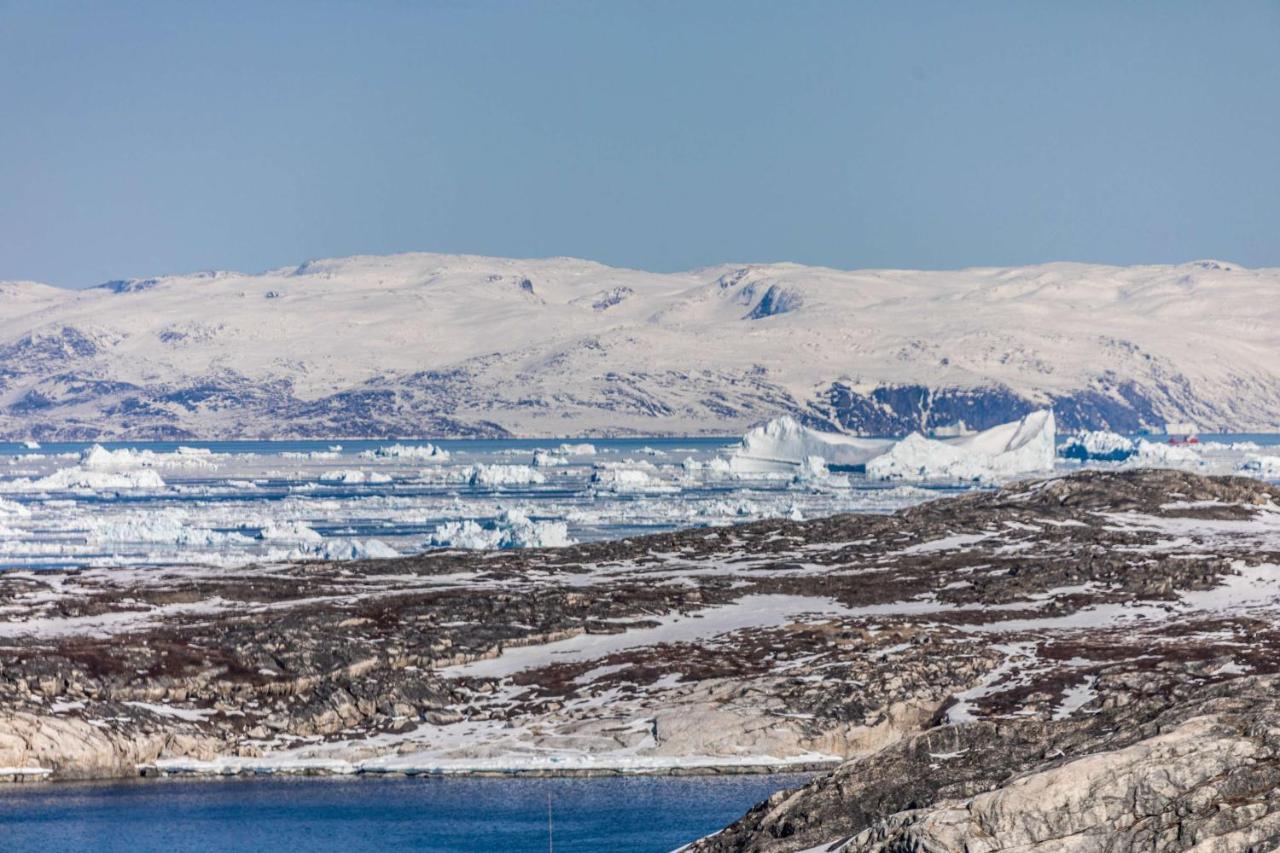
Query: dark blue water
[468,815]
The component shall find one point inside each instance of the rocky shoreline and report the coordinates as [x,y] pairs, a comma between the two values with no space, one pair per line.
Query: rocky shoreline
[952,652]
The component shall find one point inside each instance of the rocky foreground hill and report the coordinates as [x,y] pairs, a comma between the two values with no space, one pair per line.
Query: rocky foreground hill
[445,345]
[1083,663]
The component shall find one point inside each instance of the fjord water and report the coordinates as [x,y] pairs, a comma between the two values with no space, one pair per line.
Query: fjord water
[622,814]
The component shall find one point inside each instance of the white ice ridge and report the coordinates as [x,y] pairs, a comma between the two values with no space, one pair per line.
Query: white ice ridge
[785,446]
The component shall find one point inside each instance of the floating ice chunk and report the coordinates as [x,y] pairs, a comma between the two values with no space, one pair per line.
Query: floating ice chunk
[420,452]
[354,476]
[503,475]
[512,529]
[781,445]
[10,509]
[548,459]
[311,454]
[630,476]
[716,466]
[1098,445]
[1256,465]
[288,531]
[1020,447]
[31,445]
[814,472]
[578,449]
[172,528]
[98,458]
[1158,454]
[76,478]
[355,549]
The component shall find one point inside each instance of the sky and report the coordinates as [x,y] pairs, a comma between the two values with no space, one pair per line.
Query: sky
[140,139]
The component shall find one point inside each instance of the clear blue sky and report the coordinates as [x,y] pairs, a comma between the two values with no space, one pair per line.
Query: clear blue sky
[146,138]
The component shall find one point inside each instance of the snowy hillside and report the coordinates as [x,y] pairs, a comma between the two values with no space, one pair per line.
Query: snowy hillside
[434,345]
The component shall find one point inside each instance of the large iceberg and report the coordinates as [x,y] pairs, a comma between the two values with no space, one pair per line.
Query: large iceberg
[785,447]
[782,445]
[1021,447]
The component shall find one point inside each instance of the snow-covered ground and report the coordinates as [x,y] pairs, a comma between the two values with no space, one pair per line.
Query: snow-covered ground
[423,345]
[234,503]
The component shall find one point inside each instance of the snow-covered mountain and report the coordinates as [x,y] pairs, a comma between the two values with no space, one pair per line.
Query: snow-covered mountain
[436,345]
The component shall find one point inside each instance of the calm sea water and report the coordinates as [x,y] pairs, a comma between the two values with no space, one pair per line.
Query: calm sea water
[607,814]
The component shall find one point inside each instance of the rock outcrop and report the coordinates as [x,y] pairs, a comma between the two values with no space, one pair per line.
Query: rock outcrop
[1201,773]
[945,651]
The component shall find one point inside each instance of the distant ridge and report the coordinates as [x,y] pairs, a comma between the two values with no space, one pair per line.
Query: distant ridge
[459,345]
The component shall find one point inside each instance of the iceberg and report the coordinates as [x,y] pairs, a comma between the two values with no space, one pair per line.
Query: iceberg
[354,549]
[1020,447]
[169,528]
[503,475]
[782,445]
[512,529]
[548,459]
[10,509]
[354,476]
[98,458]
[424,452]
[79,478]
[289,531]
[1155,454]
[1258,465]
[1099,446]
[814,472]
[583,449]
